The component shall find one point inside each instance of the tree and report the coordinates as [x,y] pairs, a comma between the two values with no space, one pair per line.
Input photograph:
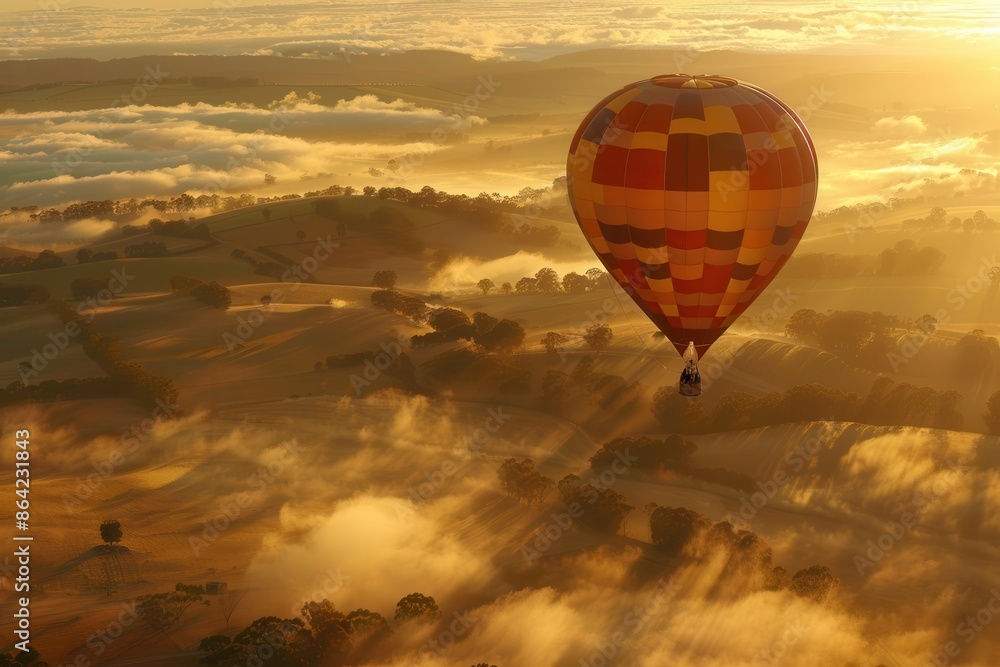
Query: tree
[527,285]
[574,283]
[677,412]
[506,288]
[595,276]
[369,624]
[486,285]
[444,319]
[483,322]
[111,531]
[184,283]
[974,352]
[547,280]
[598,336]
[417,606]
[507,335]
[146,249]
[213,294]
[369,191]
[602,508]
[228,601]
[672,528]
[384,279]
[815,583]
[84,255]
[992,415]
[282,638]
[163,610]
[553,342]
[520,480]
[331,631]
[47,259]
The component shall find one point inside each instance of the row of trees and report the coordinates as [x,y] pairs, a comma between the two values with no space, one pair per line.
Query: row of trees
[670,454]
[71,389]
[869,340]
[484,330]
[610,392]
[887,403]
[146,249]
[211,293]
[23,295]
[938,219]
[864,339]
[127,209]
[903,259]
[685,533]
[106,351]
[992,414]
[46,259]
[319,635]
[547,281]
[679,532]
[85,255]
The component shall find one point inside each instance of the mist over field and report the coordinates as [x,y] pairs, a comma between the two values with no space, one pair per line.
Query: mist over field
[319,367]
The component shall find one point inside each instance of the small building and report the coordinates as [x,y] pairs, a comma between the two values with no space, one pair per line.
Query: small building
[215,588]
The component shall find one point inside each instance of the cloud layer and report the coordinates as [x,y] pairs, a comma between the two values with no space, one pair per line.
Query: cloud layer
[54,157]
[519,28]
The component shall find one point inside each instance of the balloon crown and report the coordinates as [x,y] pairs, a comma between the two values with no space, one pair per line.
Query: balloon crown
[694,81]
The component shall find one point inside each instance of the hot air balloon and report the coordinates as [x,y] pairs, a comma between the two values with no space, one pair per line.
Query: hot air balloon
[693,190]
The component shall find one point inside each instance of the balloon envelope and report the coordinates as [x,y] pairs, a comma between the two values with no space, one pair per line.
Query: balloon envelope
[693,191]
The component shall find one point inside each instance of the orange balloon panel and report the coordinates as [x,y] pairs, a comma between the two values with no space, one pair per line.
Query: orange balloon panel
[693,191]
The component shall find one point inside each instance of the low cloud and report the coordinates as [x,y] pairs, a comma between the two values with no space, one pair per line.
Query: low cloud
[56,157]
[906,126]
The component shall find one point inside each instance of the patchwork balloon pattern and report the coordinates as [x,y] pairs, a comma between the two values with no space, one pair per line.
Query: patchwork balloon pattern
[693,191]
